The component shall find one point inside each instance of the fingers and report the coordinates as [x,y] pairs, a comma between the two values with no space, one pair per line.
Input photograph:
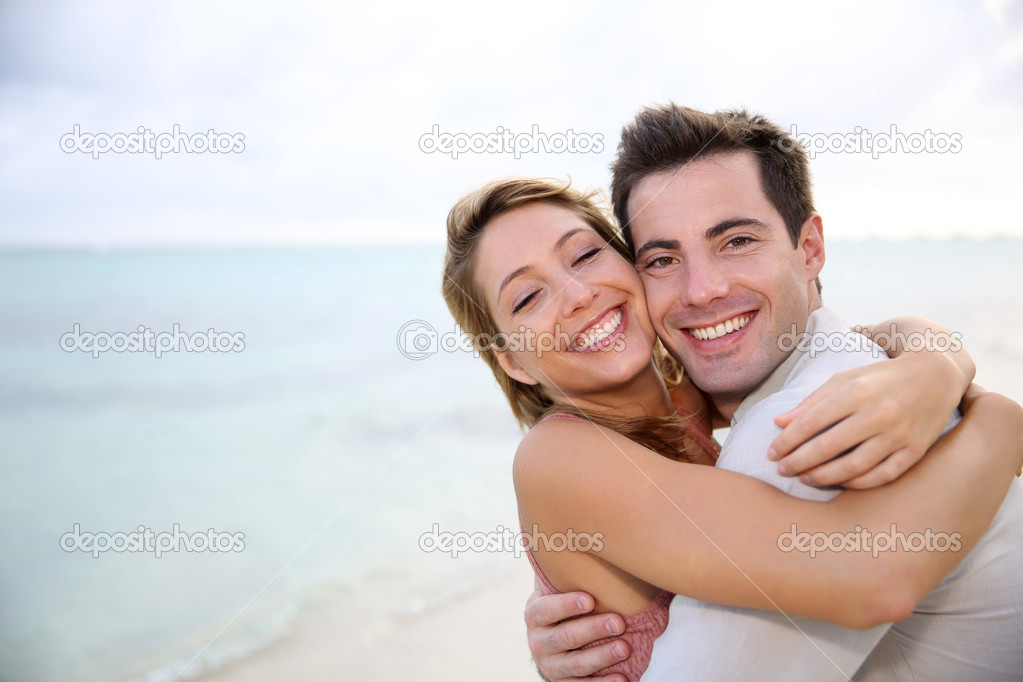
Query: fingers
[785,418]
[887,471]
[803,423]
[821,450]
[554,641]
[546,610]
[849,466]
[581,665]
[573,634]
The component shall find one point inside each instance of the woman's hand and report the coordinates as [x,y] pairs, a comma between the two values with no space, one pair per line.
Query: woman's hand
[883,417]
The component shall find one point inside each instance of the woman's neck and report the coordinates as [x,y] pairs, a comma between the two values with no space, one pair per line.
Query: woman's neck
[645,395]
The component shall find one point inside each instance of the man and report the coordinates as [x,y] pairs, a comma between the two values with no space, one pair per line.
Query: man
[718,211]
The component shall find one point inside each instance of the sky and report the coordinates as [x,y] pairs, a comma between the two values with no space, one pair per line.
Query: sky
[327,118]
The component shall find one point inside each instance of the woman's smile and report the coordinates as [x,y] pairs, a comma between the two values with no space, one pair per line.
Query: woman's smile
[602,334]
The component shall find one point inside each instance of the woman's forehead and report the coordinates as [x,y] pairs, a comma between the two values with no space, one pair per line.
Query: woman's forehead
[524,238]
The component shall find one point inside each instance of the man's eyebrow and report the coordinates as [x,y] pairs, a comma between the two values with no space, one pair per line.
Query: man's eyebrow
[526,268]
[725,225]
[666,244]
[712,232]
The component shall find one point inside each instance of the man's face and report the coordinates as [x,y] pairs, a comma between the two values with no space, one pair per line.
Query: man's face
[723,280]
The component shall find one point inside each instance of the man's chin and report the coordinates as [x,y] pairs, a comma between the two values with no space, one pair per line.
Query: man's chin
[730,379]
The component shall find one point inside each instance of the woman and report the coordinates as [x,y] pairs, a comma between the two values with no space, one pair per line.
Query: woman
[665,526]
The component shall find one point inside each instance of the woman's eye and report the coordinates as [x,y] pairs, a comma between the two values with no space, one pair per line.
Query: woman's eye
[523,303]
[587,256]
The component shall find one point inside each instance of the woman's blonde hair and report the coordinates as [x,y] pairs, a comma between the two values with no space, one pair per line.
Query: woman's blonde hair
[530,403]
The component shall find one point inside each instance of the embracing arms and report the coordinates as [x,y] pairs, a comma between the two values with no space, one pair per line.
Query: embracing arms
[908,398]
[714,535]
[731,528]
[889,412]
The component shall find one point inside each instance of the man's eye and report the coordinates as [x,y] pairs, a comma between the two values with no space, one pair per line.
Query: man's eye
[660,262]
[739,242]
[523,303]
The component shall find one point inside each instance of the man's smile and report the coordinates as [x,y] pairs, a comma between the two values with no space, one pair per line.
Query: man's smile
[720,329]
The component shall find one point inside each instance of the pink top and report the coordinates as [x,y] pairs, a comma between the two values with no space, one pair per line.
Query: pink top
[641,629]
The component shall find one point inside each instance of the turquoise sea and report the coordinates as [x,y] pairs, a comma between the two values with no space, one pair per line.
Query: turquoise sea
[318,440]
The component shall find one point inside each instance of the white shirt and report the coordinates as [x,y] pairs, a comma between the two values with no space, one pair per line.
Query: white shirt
[969,627]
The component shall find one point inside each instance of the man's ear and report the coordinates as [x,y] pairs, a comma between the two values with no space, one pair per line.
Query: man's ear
[512,369]
[811,242]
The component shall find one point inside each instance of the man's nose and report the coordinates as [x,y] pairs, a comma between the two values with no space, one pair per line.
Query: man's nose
[704,283]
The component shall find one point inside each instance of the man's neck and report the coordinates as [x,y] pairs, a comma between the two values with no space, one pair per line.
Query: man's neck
[727,403]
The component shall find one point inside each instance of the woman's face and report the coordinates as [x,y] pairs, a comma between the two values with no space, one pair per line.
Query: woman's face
[572,307]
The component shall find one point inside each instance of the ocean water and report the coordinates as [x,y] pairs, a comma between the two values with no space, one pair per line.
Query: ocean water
[330,450]
[319,441]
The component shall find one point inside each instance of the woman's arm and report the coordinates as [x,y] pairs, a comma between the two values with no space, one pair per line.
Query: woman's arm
[886,414]
[717,535]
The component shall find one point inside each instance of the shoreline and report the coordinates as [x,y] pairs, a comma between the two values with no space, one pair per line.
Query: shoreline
[476,636]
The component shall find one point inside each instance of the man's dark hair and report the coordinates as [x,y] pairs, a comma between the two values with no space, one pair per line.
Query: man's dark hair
[668,137]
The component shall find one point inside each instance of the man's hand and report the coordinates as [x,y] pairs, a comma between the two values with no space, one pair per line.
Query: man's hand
[554,640]
[885,417]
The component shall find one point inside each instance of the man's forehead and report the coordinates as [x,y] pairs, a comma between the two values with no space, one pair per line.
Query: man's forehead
[692,198]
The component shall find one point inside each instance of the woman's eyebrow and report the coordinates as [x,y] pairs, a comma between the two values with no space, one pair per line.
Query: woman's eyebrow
[526,268]
[507,280]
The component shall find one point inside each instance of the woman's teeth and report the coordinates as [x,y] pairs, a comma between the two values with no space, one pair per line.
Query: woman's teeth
[596,334]
[726,327]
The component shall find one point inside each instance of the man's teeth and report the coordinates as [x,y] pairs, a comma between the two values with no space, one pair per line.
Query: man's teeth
[596,334]
[726,327]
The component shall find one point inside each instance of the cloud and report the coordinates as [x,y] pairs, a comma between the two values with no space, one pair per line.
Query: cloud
[332,101]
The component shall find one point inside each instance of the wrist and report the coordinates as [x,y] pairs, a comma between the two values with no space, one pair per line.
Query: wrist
[942,369]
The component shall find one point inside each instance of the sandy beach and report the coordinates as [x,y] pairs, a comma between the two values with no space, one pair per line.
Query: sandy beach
[478,636]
